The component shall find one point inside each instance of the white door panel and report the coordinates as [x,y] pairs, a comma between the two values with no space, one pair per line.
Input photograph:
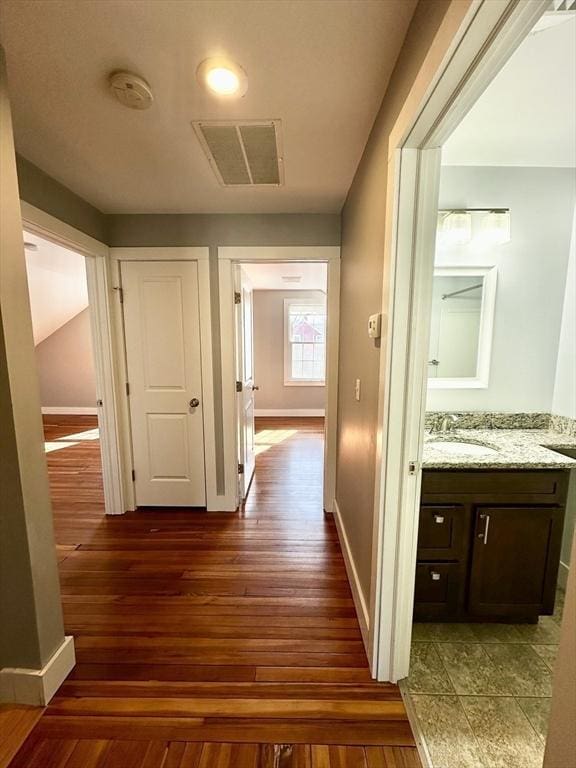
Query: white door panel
[162,327]
[245,375]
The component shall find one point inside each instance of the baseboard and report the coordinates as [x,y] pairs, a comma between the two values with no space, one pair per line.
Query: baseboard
[563,575]
[359,601]
[289,412]
[37,686]
[69,410]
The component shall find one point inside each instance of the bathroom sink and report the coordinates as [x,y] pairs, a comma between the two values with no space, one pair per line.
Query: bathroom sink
[461,448]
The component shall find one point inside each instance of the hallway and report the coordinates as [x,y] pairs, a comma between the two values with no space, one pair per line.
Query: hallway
[202,639]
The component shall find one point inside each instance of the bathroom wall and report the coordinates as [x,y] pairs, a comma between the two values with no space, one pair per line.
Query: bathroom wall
[564,400]
[273,395]
[532,274]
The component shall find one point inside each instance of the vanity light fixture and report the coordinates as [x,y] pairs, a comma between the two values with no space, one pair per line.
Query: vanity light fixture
[456,227]
[222,77]
[496,227]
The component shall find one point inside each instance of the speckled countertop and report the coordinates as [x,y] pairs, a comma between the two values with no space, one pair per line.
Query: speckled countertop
[516,449]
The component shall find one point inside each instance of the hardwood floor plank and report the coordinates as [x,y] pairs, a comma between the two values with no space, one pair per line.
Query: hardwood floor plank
[211,639]
[16,722]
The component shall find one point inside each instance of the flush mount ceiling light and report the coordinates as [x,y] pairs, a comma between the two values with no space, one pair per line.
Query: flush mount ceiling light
[292,278]
[222,77]
[28,246]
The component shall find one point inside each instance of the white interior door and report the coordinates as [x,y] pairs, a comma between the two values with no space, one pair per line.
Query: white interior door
[245,380]
[162,326]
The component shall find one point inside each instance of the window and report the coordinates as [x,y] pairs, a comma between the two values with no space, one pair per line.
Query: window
[304,342]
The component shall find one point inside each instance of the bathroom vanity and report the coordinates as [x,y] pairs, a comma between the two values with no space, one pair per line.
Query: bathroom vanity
[490,527]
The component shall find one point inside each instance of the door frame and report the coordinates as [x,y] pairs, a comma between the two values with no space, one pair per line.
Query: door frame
[227,257]
[100,312]
[199,254]
[474,41]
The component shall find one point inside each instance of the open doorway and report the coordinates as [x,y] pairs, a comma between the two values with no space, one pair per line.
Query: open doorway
[496,508]
[281,332]
[61,320]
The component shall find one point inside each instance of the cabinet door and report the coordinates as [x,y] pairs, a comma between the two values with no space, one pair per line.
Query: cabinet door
[437,591]
[514,561]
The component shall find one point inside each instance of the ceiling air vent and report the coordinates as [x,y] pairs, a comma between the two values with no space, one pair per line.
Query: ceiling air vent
[243,154]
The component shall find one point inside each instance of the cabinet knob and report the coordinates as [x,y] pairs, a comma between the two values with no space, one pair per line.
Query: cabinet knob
[434,575]
[439,519]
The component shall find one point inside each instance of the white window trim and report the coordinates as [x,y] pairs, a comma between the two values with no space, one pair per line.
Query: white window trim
[288,381]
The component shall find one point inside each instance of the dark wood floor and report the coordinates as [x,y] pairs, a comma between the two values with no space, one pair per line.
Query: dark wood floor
[206,640]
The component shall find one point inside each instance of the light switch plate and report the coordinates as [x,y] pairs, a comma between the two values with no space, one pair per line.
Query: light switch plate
[357,389]
[374,326]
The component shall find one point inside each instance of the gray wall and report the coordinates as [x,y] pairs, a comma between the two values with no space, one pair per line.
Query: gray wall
[269,355]
[65,365]
[31,626]
[44,192]
[363,237]
[531,281]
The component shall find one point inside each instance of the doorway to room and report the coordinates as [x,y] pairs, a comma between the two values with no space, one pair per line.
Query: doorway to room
[61,323]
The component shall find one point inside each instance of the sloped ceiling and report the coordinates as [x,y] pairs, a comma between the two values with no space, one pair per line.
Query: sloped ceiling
[56,284]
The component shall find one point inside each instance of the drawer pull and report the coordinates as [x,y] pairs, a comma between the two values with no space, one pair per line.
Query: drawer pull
[434,575]
[439,519]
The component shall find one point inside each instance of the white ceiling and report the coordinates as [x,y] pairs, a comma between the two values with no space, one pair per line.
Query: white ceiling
[56,284]
[321,66]
[268,277]
[527,115]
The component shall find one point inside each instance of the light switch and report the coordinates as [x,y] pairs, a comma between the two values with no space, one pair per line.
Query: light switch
[357,389]
[374,326]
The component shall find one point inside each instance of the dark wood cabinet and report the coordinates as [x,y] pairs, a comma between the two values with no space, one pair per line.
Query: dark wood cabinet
[489,544]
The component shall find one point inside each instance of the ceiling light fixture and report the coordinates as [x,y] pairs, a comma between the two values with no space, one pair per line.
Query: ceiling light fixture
[222,77]
[28,246]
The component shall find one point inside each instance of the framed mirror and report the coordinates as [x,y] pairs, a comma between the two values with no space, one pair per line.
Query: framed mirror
[461,329]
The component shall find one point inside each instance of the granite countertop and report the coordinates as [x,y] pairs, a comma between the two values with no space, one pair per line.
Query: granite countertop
[516,449]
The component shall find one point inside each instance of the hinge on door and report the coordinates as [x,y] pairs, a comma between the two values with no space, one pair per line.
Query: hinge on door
[238,386]
[120,293]
[237,297]
[127,388]
[412,465]
[240,469]
[133,475]
[99,403]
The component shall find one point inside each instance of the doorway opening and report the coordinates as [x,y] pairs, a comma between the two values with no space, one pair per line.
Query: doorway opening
[63,339]
[281,340]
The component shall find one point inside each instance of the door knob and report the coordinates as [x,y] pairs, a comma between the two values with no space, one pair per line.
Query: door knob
[194,403]
[255,387]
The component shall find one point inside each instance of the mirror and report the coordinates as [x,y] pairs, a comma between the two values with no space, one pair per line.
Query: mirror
[461,327]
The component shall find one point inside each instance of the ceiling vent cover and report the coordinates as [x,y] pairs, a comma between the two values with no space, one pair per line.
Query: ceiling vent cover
[243,154]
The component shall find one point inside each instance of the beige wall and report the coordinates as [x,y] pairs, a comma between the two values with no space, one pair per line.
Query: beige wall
[561,743]
[363,234]
[269,355]
[31,627]
[65,365]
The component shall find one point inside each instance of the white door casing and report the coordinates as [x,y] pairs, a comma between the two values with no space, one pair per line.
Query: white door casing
[245,376]
[162,327]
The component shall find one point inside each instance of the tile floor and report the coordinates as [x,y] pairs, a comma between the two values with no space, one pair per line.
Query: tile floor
[482,691]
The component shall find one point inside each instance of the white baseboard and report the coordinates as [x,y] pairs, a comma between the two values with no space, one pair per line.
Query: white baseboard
[37,686]
[289,412]
[358,596]
[69,410]
[563,574]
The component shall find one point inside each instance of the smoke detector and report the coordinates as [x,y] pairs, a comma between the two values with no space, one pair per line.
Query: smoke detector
[131,90]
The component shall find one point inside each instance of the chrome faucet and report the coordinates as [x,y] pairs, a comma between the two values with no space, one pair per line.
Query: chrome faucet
[444,423]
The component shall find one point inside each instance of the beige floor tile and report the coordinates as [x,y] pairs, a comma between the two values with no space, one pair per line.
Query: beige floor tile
[537,711]
[495,633]
[547,653]
[471,670]
[442,633]
[447,732]
[521,669]
[546,632]
[504,734]
[427,673]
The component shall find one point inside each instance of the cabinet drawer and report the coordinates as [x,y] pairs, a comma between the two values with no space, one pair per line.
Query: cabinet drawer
[539,485]
[437,590]
[441,533]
